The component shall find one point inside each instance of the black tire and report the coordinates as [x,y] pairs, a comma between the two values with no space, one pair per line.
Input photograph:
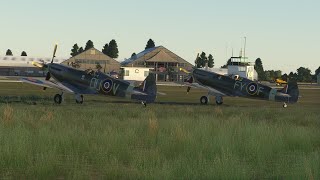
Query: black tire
[57,99]
[81,101]
[219,100]
[204,100]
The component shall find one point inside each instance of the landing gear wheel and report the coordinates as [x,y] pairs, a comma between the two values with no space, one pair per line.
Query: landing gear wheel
[57,99]
[80,100]
[204,100]
[144,103]
[284,105]
[219,100]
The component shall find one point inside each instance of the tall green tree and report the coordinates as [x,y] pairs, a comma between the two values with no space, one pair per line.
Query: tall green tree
[89,45]
[74,50]
[133,55]
[259,68]
[150,44]
[9,53]
[204,59]
[113,51]
[105,49]
[210,61]
[23,53]
[80,50]
[317,71]
[304,74]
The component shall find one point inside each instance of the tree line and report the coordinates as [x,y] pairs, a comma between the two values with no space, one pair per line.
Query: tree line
[9,53]
[202,60]
[302,74]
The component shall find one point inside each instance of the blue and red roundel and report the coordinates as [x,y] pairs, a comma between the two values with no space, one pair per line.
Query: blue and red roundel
[106,85]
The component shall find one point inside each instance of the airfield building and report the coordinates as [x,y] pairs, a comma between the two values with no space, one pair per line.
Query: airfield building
[93,59]
[161,61]
[22,65]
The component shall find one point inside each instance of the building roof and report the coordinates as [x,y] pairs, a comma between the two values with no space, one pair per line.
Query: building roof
[161,56]
[26,61]
[93,54]
[156,54]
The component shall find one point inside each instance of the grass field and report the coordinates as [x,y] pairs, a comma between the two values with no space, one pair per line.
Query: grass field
[107,139]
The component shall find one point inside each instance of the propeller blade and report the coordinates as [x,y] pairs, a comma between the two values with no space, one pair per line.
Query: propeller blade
[37,64]
[48,76]
[54,52]
[184,70]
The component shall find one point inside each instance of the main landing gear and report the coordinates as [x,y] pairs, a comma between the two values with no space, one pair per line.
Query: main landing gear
[79,98]
[205,100]
[58,98]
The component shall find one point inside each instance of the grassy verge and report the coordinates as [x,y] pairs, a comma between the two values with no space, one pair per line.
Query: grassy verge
[100,139]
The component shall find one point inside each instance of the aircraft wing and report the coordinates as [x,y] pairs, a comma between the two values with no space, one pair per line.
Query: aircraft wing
[47,84]
[212,91]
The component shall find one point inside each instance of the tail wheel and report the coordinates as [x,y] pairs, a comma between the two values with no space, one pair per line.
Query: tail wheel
[219,100]
[144,103]
[80,100]
[57,99]
[204,100]
[284,105]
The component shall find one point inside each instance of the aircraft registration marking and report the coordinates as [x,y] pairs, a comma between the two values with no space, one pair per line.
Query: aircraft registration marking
[252,88]
[106,86]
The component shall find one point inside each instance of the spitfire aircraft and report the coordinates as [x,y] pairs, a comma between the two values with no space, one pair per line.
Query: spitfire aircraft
[78,82]
[220,85]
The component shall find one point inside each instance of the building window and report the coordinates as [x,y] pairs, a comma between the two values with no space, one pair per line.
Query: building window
[126,73]
[146,73]
[92,52]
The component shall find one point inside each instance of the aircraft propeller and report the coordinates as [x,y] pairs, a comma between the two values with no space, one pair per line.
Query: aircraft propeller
[46,66]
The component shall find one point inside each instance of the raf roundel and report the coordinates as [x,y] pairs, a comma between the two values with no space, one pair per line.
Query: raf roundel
[106,85]
[252,88]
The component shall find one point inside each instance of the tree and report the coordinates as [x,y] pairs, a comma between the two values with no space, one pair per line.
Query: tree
[304,74]
[112,50]
[9,53]
[23,53]
[89,45]
[259,68]
[204,59]
[74,50]
[105,49]
[317,71]
[80,50]
[133,55]
[285,77]
[150,44]
[201,60]
[210,61]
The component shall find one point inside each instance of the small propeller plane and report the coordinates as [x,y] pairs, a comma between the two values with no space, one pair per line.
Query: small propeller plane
[70,80]
[221,85]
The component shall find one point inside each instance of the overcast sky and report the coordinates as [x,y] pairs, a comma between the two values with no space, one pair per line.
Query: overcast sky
[284,34]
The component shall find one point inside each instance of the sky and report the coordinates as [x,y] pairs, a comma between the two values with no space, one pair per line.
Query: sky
[284,34]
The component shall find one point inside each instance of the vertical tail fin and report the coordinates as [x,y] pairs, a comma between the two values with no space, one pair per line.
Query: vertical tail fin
[291,89]
[149,87]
